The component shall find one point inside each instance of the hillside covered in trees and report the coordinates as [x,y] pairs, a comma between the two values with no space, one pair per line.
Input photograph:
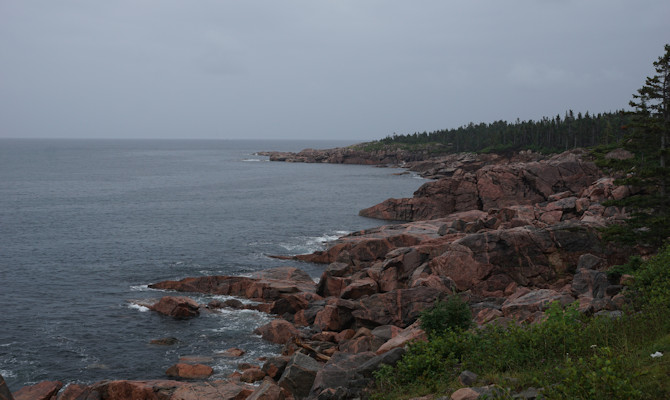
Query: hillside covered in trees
[547,135]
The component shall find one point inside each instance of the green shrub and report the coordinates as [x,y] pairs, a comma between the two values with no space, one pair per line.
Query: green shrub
[630,267]
[600,376]
[652,281]
[452,314]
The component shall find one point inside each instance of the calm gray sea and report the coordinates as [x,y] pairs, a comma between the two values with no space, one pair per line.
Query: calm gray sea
[85,225]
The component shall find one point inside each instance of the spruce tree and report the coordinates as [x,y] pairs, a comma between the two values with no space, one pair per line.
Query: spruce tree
[647,171]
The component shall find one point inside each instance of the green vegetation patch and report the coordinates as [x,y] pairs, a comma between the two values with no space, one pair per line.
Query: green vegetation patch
[569,355]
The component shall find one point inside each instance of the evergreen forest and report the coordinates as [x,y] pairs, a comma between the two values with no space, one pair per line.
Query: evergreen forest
[548,135]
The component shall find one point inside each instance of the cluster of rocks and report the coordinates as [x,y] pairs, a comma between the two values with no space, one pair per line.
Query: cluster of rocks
[350,155]
[509,238]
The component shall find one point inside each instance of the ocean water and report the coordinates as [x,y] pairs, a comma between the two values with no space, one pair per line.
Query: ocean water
[86,225]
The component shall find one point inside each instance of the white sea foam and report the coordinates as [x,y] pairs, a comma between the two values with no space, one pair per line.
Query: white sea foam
[240,299]
[252,160]
[7,373]
[313,243]
[138,307]
[140,288]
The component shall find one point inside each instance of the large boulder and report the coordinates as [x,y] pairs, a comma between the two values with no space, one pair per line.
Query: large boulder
[299,375]
[136,390]
[189,371]
[178,307]
[75,391]
[278,331]
[400,307]
[336,315]
[46,390]
[339,374]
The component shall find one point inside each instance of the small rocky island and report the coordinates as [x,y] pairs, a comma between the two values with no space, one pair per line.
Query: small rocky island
[508,234]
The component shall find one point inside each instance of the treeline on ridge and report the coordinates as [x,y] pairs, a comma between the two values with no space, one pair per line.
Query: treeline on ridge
[547,135]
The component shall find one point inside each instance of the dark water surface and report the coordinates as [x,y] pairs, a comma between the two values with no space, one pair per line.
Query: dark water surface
[86,225]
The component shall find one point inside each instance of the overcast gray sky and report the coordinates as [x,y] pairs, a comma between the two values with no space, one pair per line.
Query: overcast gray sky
[336,69]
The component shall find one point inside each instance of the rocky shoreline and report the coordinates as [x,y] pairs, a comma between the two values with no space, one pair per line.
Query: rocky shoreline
[509,235]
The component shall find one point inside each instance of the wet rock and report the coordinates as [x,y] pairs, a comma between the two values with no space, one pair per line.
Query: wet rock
[232,352]
[168,341]
[189,371]
[178,307]
[46,390]
[230,303]
[5,394]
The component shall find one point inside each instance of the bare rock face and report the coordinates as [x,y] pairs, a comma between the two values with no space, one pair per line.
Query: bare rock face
[525,307]
[400,307]
[493,186]
[178,307]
